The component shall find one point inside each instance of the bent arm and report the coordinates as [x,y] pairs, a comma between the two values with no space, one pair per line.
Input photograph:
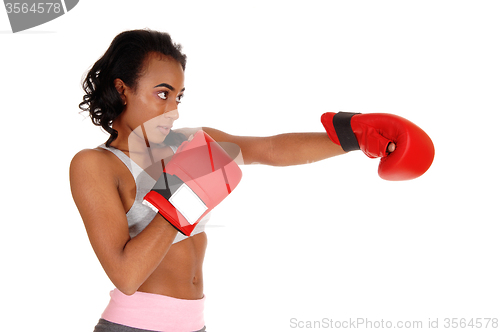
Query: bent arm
[127,262]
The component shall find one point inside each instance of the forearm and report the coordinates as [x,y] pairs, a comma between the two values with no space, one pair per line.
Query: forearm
[301,148]
[142,254]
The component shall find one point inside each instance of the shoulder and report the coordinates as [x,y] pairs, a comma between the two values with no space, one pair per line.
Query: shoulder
[217,135]
[90,158]
[97,163]
[186,132]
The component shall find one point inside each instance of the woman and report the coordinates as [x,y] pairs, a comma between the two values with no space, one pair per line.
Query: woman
[133,92]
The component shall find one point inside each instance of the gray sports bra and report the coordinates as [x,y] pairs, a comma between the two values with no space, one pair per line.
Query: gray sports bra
[139,215]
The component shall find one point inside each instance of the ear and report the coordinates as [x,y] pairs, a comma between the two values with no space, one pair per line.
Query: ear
[121,87]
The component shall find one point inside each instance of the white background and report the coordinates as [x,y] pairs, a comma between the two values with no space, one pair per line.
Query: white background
[326,240]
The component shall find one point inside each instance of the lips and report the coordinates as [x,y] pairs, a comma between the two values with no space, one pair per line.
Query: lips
[164,129]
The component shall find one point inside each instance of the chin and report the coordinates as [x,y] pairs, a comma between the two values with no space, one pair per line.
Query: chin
[157,140]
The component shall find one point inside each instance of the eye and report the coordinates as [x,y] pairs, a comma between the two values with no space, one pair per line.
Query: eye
[163,95]
[178,99]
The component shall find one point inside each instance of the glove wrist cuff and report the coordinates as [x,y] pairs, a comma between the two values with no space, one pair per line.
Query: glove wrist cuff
[342,125]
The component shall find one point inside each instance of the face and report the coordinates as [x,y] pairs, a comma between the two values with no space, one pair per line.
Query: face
[151,109]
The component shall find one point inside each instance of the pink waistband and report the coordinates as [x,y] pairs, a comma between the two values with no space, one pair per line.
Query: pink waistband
[154,312]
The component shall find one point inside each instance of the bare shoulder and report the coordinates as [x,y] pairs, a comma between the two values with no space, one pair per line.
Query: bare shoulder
[95,167]
[85,156]
[188,131]
[216,134]
[90,156]
[89,160]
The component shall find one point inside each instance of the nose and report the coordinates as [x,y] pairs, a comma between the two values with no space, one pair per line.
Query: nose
[173,114]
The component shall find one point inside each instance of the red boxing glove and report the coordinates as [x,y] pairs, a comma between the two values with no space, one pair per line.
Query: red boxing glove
[199,176]
[372,134]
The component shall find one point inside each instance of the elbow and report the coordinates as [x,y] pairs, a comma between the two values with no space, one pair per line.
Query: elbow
[126,277]
[127,290]
[126,285]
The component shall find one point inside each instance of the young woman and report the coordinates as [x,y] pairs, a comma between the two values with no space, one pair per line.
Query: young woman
[133,92]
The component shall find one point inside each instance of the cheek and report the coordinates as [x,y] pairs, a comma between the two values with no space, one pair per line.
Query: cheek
[144,101]
[145,107]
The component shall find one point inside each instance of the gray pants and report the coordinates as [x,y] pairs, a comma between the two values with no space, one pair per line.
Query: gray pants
[105,326]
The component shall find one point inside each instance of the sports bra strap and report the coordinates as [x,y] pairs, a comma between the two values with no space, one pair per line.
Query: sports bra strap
[132,166]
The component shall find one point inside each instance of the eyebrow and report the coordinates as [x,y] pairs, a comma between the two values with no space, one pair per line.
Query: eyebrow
[168,86]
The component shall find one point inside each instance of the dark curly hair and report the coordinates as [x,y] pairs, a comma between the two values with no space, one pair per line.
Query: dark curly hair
[124,59]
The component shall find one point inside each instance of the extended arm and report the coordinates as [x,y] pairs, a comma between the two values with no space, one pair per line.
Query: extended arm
[406,151]
[278,150]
